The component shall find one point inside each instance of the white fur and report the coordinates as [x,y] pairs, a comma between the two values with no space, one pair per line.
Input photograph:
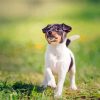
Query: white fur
[74,37]
[57,60]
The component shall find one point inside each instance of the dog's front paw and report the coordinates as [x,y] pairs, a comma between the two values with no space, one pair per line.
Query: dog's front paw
[52,84]
[58,95]
[73,87]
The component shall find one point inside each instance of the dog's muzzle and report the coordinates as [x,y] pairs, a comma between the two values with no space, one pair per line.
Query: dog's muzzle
[51,39]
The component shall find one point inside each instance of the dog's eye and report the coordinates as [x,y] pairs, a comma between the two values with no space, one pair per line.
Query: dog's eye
[57,28]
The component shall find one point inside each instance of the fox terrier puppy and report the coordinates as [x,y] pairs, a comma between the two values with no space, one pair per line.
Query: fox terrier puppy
[58,57]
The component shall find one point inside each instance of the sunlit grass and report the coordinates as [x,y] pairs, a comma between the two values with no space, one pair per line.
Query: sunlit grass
[27,86]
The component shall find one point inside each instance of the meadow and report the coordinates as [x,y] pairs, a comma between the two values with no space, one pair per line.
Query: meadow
[22,48]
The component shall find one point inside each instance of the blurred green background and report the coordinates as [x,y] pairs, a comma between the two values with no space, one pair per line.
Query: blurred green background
[22,43]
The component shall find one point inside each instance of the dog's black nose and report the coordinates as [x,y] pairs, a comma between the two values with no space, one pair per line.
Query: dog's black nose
[50,33]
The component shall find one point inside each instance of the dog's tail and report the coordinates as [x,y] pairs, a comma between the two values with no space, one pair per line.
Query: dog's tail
[72,38]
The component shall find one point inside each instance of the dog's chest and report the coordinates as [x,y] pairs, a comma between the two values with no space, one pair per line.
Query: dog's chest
[54,61]
[55,57]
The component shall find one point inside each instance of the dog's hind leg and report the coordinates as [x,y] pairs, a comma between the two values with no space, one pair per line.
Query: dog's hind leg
[72,77]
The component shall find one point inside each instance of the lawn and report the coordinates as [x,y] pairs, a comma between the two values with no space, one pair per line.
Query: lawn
[22,48]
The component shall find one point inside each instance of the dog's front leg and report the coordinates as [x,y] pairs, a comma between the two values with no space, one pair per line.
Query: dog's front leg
[61,78]
[49,79]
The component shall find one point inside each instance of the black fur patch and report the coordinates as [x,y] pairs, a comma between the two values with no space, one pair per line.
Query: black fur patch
[71,64]
[68,42]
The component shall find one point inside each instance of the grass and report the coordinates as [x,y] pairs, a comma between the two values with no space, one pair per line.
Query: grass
[16,86]
[22,48]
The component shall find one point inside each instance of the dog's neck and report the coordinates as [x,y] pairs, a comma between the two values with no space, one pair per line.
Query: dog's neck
[57,46]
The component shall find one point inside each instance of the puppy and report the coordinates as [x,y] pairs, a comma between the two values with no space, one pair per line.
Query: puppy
[58,57]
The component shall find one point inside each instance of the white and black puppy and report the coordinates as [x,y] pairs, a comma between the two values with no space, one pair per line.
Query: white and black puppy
[58,57]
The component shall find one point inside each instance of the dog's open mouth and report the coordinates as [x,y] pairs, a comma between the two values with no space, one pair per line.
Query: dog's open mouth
[52,39]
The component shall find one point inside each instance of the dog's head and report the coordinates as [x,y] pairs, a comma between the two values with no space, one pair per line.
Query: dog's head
[56,33]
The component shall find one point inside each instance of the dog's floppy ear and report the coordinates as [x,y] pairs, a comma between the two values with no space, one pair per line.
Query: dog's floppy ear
[45,29]
[66,28]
